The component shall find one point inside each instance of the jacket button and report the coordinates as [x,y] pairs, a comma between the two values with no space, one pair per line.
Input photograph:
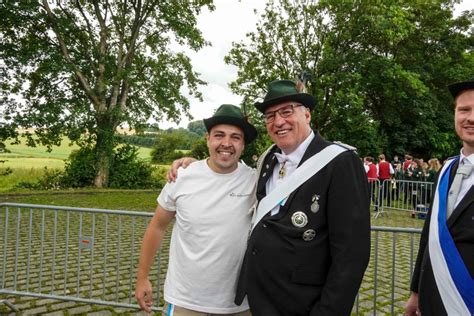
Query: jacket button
[254,252]
[264,225]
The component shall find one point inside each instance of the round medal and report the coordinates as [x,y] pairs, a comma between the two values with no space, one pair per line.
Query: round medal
[309,234]
[299,219]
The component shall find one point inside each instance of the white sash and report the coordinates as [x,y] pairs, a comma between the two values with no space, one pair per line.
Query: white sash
[309,168]
[454,282]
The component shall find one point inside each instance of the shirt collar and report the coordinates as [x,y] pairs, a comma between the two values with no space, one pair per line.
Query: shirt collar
[463,158]
[296,156]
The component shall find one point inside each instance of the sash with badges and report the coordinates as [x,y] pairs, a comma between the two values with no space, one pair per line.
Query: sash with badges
[309,168]
[454,282]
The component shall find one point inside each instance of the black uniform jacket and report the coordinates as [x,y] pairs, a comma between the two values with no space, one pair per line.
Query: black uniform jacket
[461,227]
[284,274]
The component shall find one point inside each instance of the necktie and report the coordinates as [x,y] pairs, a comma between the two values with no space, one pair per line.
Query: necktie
[282,159]
[463,172]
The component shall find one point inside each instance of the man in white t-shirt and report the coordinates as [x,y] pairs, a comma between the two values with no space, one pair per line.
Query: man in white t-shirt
[210,202]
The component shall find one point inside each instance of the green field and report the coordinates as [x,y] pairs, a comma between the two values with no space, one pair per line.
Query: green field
[60,153]
[28,163]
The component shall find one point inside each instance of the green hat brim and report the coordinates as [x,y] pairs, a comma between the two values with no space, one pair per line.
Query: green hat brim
[458,87]
[250,132]
[304,98]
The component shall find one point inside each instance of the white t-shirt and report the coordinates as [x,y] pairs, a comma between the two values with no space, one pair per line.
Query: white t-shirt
[209,236]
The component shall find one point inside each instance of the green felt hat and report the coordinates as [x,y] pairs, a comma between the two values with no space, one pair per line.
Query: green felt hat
[458,87]
[280,91]
[230,114]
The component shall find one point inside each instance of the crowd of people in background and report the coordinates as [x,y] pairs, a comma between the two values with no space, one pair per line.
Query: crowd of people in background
[409,179]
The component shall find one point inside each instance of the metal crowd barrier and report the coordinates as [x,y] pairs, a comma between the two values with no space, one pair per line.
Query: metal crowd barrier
[72,254]
[91,256]
[374,189]
[403,195]
[386,284]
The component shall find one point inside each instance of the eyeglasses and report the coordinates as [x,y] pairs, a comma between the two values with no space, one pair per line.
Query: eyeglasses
[285,112]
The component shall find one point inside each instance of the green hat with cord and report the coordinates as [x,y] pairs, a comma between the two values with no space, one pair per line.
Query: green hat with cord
[280,91]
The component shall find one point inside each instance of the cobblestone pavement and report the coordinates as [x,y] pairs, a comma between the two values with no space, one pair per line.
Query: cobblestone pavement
[46,256]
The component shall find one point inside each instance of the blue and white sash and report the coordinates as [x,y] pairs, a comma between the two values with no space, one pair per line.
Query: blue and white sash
[454,282]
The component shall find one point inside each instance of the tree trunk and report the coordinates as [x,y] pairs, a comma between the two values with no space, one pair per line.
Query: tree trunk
[103,149]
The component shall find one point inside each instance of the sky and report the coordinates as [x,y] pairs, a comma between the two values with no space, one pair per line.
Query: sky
[229,22]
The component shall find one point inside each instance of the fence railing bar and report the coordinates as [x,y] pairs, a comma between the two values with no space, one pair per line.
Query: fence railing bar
[66,259]
[53,269]
[158,272]
[412,246]
[91,265]
[395,229]
[105,254]
[41,251]
[30,231]
[5,240]
[79,252]
[394,239]
[132,255]
[17,248]
[117,271]
[375,271]
[78,209]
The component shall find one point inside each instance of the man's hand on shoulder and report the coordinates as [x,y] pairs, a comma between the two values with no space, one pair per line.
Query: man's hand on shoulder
[184,162]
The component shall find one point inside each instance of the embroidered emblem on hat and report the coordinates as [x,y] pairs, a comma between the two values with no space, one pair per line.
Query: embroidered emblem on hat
[309,234]
[299,219]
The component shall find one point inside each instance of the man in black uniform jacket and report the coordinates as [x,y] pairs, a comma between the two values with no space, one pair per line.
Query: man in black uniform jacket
[306,256]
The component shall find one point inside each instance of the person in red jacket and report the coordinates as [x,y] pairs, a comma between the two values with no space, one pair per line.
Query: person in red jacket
[371,171]
[407,162]
[385,172]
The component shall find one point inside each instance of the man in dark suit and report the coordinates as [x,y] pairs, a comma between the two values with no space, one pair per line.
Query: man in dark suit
[443,280]
[308,254]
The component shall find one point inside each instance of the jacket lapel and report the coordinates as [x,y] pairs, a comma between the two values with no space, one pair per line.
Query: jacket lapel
[266,172]
[453,173]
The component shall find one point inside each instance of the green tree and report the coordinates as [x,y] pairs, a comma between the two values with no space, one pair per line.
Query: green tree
[379,70]
[85,67]
[199,149]
[166,148]
[184,138]
[197,127]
